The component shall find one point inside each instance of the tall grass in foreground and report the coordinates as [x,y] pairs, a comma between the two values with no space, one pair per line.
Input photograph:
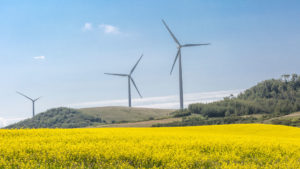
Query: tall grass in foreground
[223,146]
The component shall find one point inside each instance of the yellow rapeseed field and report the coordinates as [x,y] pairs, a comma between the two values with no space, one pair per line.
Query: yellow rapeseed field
[218,146]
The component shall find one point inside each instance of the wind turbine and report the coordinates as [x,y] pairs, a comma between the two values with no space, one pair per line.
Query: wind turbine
[178,56]
[130,79]
[33,101]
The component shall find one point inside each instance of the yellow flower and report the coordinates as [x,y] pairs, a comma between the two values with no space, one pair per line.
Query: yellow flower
[220,146]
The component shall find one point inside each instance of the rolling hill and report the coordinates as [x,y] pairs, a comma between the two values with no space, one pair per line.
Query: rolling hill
[89,117]
[116,114]
[272,101]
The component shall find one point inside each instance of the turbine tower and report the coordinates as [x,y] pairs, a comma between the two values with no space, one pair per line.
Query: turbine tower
[33,101]
[130,79]
[178,56]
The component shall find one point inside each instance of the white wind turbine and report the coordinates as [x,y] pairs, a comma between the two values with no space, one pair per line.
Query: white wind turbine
[33,102]
[178,56]
[130,79]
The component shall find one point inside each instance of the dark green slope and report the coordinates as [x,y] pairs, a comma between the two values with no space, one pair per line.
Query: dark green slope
[59,118]
[275,96]
[264,102]
[89,117]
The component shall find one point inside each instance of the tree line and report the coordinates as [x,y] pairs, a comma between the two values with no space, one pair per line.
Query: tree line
[278,96]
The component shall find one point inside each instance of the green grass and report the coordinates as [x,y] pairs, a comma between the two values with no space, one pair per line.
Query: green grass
[126,114]
[291,116]
[92,117]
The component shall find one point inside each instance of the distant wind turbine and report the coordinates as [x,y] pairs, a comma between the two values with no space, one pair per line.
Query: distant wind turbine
[130,79]
[33,101]
[178,56]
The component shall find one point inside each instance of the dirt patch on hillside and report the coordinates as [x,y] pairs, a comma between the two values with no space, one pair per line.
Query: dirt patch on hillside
[148,123]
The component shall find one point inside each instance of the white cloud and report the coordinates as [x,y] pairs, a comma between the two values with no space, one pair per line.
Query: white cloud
[165,102]
[4,121]
[87,26]
[39,57]
[109,29]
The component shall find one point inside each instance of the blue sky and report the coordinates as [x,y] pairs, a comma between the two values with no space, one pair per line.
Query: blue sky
[60,49]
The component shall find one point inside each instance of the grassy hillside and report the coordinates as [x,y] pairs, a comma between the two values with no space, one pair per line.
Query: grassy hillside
[147,123]
[270,101]
[275,96]
[58,118]
[89,117]
[292,119]
[126,114]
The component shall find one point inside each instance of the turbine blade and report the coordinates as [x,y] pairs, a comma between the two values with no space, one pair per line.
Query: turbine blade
[173,36]
[190,45]
[178,53]
[135,87]
[37,98]
[24,96]
[116,74]
[136,65]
